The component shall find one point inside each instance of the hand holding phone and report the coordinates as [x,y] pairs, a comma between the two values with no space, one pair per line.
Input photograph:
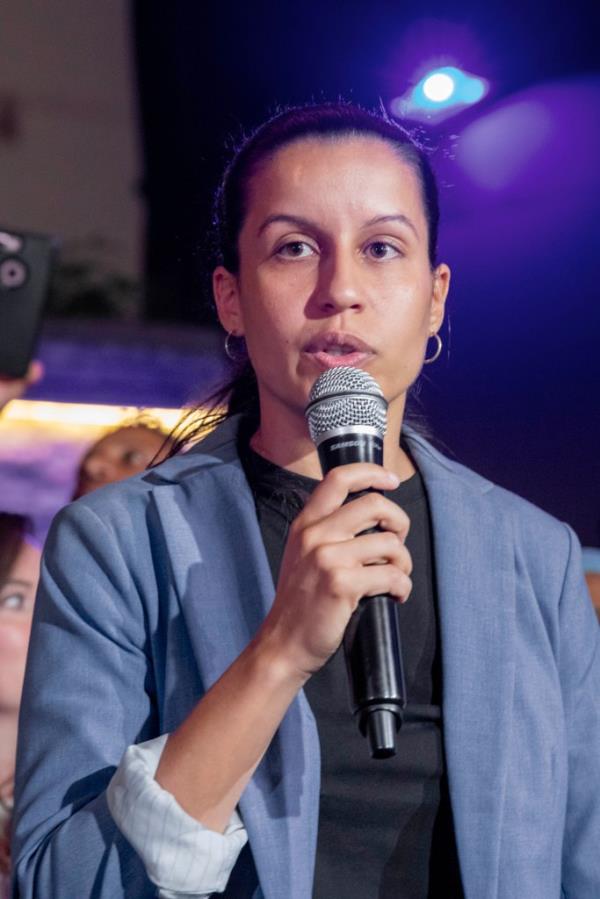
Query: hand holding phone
[13,388]
[25,268]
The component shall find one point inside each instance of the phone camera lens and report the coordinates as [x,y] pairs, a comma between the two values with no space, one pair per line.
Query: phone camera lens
[13,274]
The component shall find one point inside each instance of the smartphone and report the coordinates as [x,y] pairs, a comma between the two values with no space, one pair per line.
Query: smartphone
[25,267]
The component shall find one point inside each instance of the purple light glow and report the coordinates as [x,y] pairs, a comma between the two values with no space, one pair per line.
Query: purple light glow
[500,146]
[540,146]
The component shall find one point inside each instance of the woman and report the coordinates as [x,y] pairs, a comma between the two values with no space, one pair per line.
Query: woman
[121,453]
[591,567]
[160,623]
[19,574]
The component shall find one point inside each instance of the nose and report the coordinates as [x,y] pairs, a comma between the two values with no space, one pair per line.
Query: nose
[339,285]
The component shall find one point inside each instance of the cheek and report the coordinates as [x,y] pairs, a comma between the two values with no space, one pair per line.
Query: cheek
[120,472]
[408,306]
[14,637]
[272,296]
[277,318]
[13,654]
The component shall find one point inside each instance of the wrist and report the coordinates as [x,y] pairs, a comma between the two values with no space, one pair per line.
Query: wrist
[274,661]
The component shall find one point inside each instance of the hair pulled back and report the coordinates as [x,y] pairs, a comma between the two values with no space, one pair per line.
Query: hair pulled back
[328,121]
[13,531]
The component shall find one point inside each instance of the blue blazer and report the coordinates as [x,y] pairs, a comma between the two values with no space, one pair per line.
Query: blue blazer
[152,587]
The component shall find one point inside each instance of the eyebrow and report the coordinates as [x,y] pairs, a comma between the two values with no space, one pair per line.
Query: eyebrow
[306,224]
[399,217]
[288,220]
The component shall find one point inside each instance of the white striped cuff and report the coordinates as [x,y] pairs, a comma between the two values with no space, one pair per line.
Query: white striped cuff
[181,856]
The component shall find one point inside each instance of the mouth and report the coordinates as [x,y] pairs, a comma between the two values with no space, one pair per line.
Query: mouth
[337,348]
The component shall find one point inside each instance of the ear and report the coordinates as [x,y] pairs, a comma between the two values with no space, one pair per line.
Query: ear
[441,285]
[227,300]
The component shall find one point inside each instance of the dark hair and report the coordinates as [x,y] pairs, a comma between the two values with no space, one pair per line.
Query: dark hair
[13,530]
[143,420]
[328,121]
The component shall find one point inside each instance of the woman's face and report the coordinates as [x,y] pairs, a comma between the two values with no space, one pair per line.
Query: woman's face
[593,582]
[17,595]
[119,455]
[334,269]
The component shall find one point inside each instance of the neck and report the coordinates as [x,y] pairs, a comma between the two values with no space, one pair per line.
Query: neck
[8,745]
[283,438]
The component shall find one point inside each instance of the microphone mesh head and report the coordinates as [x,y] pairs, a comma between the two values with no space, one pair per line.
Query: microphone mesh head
[345,397]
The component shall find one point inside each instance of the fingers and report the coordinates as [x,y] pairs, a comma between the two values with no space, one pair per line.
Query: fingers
[372,510]
[370,549]
[35,372]
[11,389]
[347,585]
[365,566]
[383,579]
[368,511]
[336,486]
[14,388]
[330,564]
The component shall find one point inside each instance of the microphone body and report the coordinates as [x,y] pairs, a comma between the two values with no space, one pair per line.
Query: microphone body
[372,639]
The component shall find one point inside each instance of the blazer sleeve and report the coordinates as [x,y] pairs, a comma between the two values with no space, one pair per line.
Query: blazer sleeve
[579,662]
[88,694]
[182,857]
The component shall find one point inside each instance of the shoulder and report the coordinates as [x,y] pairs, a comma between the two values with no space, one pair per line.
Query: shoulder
[126,507]
[534,530]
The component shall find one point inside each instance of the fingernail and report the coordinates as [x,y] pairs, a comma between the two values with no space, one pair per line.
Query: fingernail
[392,479]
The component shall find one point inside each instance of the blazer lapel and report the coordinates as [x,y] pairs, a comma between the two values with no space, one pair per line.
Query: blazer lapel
[474,552]
[225,589]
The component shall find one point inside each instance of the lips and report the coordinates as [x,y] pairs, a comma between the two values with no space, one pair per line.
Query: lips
[337,348]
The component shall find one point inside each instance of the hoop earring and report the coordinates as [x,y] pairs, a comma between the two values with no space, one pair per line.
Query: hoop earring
[229,351]
[438,350]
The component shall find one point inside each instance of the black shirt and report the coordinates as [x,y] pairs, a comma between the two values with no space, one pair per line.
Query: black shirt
[385,825]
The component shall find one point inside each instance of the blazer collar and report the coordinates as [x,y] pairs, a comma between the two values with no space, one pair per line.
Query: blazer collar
[224,597]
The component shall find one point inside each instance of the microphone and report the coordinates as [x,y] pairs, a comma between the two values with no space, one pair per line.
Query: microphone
[347,420]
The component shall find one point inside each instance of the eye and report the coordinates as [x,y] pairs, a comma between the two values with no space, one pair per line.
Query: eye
[134,457]
[295,249]
[380,249]
[12,600]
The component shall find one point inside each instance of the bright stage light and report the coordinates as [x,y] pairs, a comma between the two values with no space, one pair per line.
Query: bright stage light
[82,415]
[438,87]
[440,93]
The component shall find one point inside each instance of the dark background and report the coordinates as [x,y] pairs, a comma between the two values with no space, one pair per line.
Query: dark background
[515,394]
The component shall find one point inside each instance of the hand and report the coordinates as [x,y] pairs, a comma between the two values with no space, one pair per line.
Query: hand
[326,568]
[13,388]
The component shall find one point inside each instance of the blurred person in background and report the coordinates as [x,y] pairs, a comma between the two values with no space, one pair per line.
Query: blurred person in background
[127,450]
[19,575]
[591,567]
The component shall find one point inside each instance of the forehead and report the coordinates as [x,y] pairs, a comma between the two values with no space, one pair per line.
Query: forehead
[363,174]
[26,563]
[126,438]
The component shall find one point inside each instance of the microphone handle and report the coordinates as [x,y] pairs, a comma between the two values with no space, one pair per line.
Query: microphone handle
[372,644]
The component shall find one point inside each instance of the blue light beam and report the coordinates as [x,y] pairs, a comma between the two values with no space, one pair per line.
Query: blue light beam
[440,93]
